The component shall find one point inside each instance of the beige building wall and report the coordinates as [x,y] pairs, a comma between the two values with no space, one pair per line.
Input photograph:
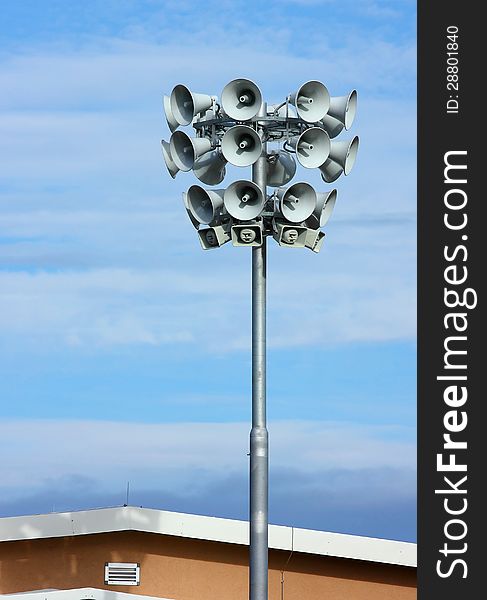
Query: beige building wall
[185,569]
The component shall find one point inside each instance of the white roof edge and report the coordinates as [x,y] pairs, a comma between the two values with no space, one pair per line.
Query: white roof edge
[77,594]
[129,518]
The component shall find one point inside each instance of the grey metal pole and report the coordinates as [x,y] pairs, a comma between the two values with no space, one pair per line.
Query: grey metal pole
[259,442]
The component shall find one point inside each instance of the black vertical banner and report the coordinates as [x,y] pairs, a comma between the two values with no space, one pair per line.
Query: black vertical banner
[452,264]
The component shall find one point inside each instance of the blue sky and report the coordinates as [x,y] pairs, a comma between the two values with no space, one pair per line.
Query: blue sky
[124,349]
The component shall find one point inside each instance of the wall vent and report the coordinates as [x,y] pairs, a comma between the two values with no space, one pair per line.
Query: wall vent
[122,574]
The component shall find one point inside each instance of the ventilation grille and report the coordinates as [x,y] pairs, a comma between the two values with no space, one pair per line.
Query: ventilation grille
[122,573]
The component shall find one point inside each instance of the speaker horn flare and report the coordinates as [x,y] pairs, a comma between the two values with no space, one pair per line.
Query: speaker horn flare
[312,101]
[204,205]
[170,164]
[344,108]
[194,222]
[297,202]
[241,145]
[185,150]
[244,200]
[341,160]
[332,126]
[325,203]
[210,168]
[185,104]
[241,99]
[171,121]
[281,168]
[312,147]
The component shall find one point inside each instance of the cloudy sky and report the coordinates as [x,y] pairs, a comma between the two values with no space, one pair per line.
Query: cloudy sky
[124,348]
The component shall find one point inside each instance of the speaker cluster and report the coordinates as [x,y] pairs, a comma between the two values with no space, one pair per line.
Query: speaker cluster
[238,130]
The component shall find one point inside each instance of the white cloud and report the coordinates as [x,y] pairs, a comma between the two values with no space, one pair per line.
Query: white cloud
[97,225]
[112,74]
[60,147]
[309,302]
[114,452]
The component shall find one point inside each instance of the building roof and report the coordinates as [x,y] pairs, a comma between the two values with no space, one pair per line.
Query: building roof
[129,518]
[76,594]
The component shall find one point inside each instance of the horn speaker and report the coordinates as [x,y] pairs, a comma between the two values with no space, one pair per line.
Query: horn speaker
[204,205]
[325,203]
[214,237]
[312,147]
[210,168]
[185,150]
[341,159]
[344,108]
[312,101]
[244,200]
[241,145]
[297,202]
[170,164]
[171,121]
[281,168]
[249,234]
[185,104]
[241,99]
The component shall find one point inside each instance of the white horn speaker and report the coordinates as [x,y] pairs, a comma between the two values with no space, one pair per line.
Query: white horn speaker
[204,205]
[170,164]
[314,240]
[330,171]
[289,236]
[171,121]
[241,99]
[244,200]
[297,202]
[214,237]
[332,126]
[210,168]
[248,234]
[185,104]
[341,160]
[312,101]
[344,108]
[325,203]
[185,150]
[194,222]
[312,147]
[241,145]
[281,168]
